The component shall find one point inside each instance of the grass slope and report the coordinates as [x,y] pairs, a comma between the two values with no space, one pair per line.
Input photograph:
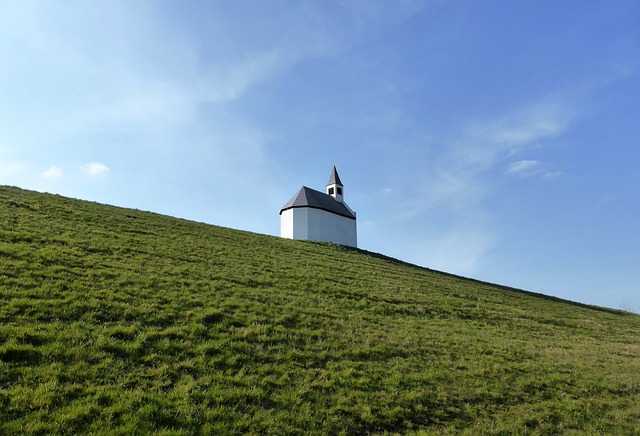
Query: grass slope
[119,321]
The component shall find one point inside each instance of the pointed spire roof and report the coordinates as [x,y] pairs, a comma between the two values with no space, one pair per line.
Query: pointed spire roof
[334,178]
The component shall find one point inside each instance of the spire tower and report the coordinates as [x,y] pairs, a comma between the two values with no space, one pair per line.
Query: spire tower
[335,187]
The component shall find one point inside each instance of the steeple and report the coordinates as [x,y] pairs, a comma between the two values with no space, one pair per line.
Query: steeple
[320,216]
[335,186]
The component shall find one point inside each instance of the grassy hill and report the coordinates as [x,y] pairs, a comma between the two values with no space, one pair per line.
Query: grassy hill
[120,321]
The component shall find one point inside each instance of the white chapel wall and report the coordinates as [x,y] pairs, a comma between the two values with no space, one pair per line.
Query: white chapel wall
[286,224]
[294,223]
[329,227]
[318,225]
[300,223]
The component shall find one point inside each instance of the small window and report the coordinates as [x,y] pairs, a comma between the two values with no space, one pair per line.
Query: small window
[331,191]
[339,191]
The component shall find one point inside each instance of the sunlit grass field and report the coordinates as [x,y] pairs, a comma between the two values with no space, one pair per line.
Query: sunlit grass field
[117,321]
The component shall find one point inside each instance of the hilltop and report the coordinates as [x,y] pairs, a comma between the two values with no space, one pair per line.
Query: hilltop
[120,321]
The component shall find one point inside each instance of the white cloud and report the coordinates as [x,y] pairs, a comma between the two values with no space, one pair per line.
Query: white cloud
[454,180]
[528,168]
[53,172]
[450,199]
[551,175]
[132,70]
[485,142]
[525,167]
[538,122]
[96,169]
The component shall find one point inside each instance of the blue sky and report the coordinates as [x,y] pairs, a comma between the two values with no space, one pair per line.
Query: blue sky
[497,140]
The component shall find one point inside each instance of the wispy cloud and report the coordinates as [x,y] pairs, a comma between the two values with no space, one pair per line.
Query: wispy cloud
[525,167]
[486,141]
[552,175]
[453,193]
[135,72]
[96,169]
[457,167]
[530,168]
[53,173]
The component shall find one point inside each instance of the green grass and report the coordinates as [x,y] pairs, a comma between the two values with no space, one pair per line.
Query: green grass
[119,321]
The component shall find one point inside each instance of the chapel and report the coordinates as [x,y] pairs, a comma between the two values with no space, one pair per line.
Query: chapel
[320,216]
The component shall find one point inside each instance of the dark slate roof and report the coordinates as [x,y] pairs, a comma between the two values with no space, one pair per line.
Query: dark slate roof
[307,197]
[334,178]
